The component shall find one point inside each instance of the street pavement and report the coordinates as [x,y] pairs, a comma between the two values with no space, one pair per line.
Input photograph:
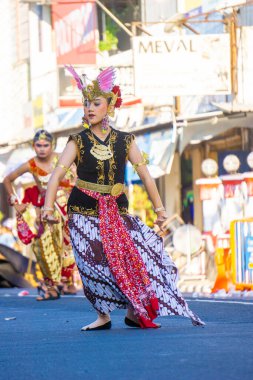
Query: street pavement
[44,342]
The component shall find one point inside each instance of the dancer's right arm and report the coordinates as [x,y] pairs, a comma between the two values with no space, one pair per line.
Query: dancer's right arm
[8,180]
[65,161]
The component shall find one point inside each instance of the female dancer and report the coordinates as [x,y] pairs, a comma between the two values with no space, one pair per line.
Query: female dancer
[121,261]
[51,247]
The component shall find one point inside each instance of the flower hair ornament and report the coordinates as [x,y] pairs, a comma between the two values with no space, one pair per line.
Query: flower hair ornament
[103,86]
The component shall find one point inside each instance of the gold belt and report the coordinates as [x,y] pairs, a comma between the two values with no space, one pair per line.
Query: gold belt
[114,190]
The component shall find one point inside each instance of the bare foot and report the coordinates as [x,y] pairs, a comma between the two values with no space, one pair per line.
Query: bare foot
[101,320]
[72,289]
[69,289]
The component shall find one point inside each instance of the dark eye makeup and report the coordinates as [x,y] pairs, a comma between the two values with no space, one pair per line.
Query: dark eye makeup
[42,146]
[87,103]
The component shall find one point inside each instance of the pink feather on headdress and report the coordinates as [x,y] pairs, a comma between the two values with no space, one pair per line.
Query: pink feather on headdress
[78,80]
[106,79]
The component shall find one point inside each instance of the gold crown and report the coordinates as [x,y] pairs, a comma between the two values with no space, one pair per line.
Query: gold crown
[42,136]
[92,91]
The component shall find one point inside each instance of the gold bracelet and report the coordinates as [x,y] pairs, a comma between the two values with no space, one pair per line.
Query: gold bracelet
[145,161]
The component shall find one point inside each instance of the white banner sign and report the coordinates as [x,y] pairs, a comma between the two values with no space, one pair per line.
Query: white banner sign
[208,5]
[188,65]
[245,65]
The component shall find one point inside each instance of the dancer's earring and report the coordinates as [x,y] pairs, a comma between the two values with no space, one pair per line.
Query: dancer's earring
[85,123]
[105,124]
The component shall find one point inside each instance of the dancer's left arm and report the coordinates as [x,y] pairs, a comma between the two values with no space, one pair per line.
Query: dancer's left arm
[65,161]
[135,157]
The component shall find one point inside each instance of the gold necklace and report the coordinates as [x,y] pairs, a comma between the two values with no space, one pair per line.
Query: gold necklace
[99,151]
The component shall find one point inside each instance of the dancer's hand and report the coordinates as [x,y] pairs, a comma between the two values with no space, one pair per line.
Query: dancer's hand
[161,218]
[48,217]
[20,208]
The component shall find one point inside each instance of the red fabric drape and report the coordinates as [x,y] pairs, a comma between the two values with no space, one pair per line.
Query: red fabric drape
[124,260]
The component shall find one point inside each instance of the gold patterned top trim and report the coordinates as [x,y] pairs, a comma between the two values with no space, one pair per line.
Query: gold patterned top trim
[80,147]
[128,140]
[102,153]
[112,162]
[100,163]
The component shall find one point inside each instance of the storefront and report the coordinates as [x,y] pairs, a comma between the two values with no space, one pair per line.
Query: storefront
[213,136]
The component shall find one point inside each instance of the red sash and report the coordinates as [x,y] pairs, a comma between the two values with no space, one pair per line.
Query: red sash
[124,260]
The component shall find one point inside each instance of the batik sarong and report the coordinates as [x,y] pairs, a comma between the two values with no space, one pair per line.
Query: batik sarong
[100,286]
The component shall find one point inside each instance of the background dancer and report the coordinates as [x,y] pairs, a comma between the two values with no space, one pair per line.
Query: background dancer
[51,246]
[121,261]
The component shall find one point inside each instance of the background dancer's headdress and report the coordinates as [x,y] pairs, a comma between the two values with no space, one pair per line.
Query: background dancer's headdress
[42,134]
[103,85]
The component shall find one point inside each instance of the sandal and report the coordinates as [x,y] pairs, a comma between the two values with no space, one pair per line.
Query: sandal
[129,322]
[70,291]
[105,326]
[46,295]
[41,288]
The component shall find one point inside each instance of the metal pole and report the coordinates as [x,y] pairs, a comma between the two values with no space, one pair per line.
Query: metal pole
[177,105]
[233,52]
[114,18]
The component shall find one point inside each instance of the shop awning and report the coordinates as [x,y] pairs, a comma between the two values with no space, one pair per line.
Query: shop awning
[229,108]
[205,126]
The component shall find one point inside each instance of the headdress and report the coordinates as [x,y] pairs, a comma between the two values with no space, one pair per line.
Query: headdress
[42,134]
[103,85]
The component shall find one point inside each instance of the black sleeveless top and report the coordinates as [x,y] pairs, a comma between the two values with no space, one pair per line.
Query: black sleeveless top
[91,169]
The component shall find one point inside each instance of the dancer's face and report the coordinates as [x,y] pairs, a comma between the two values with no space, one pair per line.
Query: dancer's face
[43,148]
[95,110]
